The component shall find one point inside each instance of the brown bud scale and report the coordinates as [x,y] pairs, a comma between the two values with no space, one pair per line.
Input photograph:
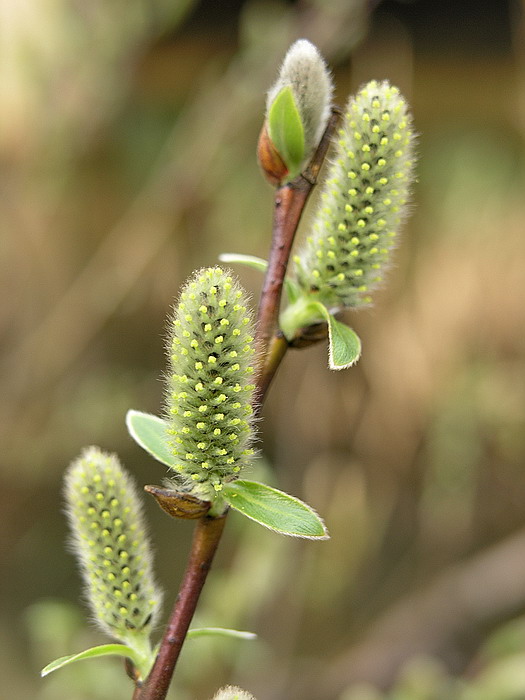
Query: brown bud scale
[177,504]
[272,165]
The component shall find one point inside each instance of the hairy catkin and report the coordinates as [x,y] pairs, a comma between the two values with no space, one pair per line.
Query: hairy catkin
[109,539]
[210,389]
[363,202]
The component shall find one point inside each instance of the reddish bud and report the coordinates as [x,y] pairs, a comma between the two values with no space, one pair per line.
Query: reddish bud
[272,165]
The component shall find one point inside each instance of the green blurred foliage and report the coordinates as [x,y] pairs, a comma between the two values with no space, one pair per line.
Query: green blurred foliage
[127,142]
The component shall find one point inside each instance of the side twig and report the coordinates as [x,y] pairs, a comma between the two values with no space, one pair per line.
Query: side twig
[290,201]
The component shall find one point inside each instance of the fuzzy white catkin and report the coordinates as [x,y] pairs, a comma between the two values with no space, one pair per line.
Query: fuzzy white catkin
[305,72]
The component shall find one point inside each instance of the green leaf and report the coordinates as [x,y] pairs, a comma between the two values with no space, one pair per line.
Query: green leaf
[274,509]
[293,291]
[103,650]
[292,288]
[248,260]
[345,345]
[219,632]
[286,130]
[150,432]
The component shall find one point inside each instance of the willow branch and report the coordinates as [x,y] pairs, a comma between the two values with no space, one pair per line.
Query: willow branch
[290,201]
[206,538]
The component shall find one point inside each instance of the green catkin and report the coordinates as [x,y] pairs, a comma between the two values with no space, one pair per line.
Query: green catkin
[363,202]
[210,389]
[109,539]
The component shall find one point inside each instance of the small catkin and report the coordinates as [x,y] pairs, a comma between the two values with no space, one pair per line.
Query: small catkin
[306,73]
[211,367]
[109,539]
[231,692]
[364,200]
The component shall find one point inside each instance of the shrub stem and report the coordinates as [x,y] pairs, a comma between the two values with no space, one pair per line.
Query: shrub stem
[206,538]
[290,201]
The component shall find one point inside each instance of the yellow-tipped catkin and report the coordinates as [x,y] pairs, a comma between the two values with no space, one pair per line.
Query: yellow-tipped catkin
[109,539]
[210,389]
[363,202]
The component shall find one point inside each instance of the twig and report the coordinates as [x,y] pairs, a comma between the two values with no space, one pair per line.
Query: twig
[290,201]
[206,538]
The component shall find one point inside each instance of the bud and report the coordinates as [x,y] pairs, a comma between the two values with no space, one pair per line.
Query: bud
[274,168]
[109,539]
[231,692]
[210,392]
[297,112]
[364,200]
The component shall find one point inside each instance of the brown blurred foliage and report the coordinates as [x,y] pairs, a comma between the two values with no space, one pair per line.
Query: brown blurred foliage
[127,147]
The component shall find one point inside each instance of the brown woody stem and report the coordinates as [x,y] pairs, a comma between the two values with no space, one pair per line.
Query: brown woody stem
[206,538]
[290,201]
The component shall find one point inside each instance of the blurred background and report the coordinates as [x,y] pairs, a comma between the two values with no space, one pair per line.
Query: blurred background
[127,159]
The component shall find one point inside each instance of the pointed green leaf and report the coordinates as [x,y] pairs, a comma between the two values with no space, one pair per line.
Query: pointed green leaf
[103,650]
[219,632]
[274,509]
[292,288]
[345,345]
[150,432]
[286,130]
[248,260]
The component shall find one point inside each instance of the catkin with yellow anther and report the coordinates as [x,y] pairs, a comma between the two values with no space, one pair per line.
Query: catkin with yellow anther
[210,389]
[109,539]
[363,202]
